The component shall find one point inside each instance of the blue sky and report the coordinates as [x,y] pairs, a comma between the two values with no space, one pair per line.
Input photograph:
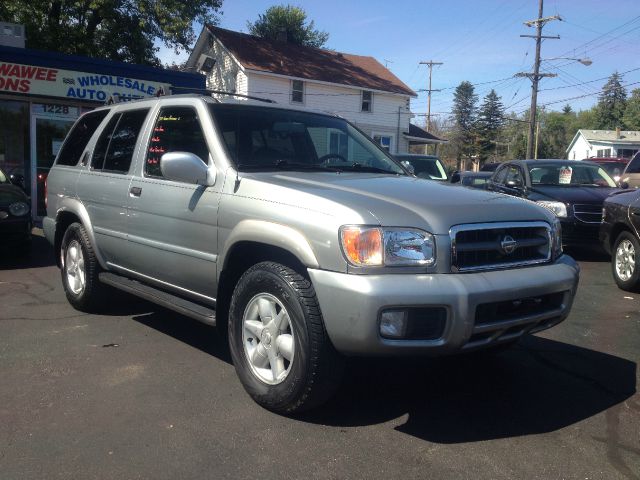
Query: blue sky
[478,41]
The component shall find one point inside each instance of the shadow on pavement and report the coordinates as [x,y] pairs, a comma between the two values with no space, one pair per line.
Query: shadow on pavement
[39,255]
[198,335]
[539,386]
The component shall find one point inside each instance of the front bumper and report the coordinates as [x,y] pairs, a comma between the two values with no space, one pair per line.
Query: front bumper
[576,233]
[351,306]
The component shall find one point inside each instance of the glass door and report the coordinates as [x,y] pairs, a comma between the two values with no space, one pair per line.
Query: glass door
[49,126]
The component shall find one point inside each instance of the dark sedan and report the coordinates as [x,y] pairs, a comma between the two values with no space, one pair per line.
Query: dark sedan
[618,233]
[471,179]
[424,166]
[573,190]
[15,218]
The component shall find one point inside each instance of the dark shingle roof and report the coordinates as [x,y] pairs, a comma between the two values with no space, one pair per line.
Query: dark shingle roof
[255,53]
[415,131]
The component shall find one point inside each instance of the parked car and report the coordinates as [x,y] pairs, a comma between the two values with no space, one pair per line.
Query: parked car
[424,166]
[471,179]
[631,175]
[238,213]
[613,166]
[15,218]
[619,236]
[573,190]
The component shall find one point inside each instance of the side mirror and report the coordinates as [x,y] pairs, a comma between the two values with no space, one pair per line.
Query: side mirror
[188,168]
[514,184]
[624,185]
[407,165]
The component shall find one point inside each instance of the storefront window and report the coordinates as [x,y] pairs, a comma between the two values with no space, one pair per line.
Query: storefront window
[14,141]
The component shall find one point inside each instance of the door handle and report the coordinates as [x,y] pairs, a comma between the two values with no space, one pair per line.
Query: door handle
[135,191]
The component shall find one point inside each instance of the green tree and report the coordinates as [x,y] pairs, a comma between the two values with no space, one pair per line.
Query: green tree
[290,20]
[631,116]
[611,103]
[489,124]
[124,30]
[567,109]
[464,117]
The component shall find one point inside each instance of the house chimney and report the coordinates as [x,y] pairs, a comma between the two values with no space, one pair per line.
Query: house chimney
[618,133]
[282,35]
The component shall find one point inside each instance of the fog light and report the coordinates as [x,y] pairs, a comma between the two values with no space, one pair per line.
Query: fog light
[393,323]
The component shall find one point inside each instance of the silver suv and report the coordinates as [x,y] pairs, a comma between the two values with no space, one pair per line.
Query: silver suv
[299,235]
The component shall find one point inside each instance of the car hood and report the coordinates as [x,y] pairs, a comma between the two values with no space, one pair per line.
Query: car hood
[10,193]
[390,200]
[573,194]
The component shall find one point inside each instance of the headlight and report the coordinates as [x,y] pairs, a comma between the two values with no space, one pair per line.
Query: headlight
[556,239]
[559,208]
[373,246]
[18,209]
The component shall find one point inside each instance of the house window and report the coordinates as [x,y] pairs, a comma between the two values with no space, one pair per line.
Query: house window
[385,141]
[367,101]
[626,152]
[338,143]
[297,91]
[603,153]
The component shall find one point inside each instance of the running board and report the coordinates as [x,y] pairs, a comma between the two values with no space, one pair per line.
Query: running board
[160,297]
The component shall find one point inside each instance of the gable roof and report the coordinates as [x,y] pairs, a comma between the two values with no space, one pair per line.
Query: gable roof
[611,136]
[607,136]
[271,56]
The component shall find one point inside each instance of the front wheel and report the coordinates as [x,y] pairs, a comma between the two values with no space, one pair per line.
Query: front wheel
[278,342]
[624,262]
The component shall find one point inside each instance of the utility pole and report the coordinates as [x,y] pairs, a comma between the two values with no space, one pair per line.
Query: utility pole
[430,63]
[536,75]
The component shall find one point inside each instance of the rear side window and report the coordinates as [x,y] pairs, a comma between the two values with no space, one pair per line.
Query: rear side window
[115,147]
[177,129]
[79,136]
[634,164]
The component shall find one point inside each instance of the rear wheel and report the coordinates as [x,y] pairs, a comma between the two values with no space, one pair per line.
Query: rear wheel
[624,262]
[278,342]
[80,269]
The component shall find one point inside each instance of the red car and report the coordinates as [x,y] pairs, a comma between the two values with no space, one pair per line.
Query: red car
[613,166]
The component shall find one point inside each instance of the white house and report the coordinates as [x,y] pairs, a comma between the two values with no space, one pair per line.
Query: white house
[603,143]
[355,87]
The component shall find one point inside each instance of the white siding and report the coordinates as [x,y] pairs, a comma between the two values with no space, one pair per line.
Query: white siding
[580,150]
[226,74]
[344,101]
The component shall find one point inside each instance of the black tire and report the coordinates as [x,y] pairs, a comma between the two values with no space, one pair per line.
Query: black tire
[316,368]
[632,283]
[92,296]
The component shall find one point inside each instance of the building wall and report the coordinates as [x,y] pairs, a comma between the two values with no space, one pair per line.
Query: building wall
[580,150]
[343,101]
[226,74]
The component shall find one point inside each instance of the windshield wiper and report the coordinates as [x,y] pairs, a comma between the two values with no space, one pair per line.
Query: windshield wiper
[365,168]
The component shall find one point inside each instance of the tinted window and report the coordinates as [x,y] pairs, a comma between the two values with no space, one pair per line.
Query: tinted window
[99,151]
[634,165]
[500,175]
[177,129]
[569,174]
[123,141]
[79,136]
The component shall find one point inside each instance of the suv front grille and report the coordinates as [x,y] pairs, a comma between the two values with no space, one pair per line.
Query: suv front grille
[490,246]
[588,213]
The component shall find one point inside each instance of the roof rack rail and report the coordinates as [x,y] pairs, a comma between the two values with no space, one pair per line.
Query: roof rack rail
[223,92]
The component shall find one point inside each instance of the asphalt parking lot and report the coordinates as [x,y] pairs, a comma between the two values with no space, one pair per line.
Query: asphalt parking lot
[140,392]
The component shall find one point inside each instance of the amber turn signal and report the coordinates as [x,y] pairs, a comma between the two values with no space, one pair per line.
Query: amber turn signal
[362,245]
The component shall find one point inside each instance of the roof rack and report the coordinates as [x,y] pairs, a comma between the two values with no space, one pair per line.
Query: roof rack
[232,94]
[115,98]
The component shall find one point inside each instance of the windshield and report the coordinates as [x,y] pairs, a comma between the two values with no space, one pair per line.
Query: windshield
[569,175]
[426,167]
[614,169]
[259,138]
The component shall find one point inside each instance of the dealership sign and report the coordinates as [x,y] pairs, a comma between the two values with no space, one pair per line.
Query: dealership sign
[54,82]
